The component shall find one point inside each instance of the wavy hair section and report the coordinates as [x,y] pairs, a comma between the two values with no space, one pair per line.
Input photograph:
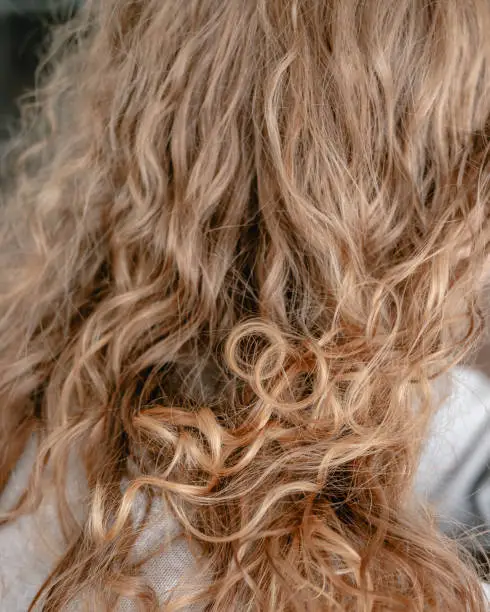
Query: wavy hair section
[243,239]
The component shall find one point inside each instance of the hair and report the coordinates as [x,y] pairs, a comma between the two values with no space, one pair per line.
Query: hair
[241,241]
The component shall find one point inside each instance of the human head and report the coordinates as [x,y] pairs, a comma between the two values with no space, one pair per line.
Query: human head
[238,260]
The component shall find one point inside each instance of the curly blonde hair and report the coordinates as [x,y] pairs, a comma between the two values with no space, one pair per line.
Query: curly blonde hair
[242,240]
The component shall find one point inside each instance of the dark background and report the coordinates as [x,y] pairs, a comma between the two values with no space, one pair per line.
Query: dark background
[23,28]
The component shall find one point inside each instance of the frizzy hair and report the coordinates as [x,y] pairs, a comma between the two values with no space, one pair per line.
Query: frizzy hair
[242,239]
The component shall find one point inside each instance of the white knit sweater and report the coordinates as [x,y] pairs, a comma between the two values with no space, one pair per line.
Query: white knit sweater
[457,456]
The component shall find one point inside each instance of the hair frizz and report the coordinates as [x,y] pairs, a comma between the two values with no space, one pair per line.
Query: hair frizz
[244,237]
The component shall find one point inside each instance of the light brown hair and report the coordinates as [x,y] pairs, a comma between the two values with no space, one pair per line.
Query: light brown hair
[244,237]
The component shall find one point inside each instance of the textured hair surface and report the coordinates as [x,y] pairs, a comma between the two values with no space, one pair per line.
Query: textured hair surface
[242,238]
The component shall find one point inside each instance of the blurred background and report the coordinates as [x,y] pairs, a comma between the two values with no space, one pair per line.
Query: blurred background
[23,28]
[455,469]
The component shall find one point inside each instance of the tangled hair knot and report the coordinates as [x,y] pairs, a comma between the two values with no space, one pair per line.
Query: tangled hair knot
[241,241]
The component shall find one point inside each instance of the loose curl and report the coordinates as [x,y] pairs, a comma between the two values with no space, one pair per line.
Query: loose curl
[242,239]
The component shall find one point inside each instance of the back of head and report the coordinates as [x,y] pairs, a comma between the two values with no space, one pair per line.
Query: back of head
[243,239]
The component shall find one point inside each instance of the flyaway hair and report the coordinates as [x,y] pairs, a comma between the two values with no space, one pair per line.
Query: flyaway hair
[240,240]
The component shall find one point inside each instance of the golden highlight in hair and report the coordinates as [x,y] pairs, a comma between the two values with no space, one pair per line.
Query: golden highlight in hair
[242,239]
